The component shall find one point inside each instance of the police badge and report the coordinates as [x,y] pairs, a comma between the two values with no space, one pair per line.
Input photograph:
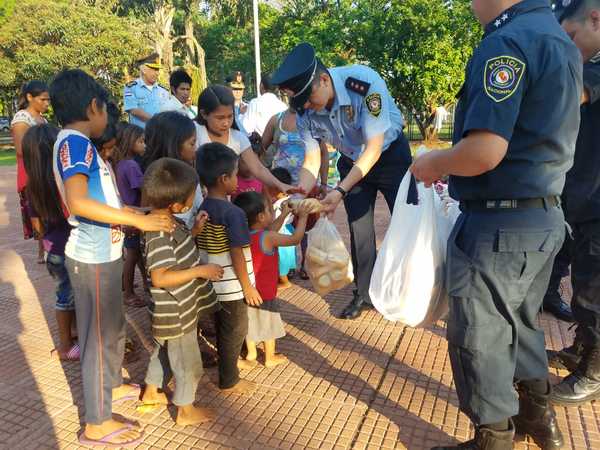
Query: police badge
[373,102]
[502,77]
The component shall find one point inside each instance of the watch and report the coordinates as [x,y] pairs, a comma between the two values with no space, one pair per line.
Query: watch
[341,190]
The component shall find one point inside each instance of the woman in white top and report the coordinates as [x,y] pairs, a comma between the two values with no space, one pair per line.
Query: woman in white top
[215,123]
[33,102]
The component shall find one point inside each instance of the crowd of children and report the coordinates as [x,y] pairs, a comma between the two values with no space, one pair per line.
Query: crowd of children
[164,194]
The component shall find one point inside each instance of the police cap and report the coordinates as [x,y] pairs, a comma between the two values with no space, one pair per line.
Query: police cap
[236,81]
[296,74]
[152,61]
[563,9]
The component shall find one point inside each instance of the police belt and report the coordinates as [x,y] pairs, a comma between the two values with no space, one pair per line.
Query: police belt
[527,203]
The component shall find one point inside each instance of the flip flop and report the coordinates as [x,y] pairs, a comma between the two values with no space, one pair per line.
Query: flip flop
[105,441]
[135,302]
[303,275]
[130,397]
[73,354]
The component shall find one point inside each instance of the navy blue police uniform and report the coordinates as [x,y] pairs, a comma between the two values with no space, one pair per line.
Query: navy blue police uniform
[363,108]
[581,198]
[523,84]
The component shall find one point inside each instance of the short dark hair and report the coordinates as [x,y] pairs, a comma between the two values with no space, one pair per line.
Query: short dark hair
[168,181]
[252,203]
[178,77]
[213,161]
[265,80]
[578,10]
[71,92]
[165,133]
[282,174]
[110,132]
[35,88]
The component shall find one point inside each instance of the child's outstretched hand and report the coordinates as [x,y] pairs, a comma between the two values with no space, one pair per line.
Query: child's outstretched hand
[155,222]
[212,272]
[252,296]
[286,209]
[201,220]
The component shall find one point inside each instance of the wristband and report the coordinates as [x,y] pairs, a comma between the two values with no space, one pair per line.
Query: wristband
[341,190]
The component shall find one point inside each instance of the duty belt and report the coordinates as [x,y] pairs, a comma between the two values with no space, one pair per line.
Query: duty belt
[527,203]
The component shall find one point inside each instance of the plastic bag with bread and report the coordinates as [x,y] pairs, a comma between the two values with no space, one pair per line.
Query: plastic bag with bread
[328,262]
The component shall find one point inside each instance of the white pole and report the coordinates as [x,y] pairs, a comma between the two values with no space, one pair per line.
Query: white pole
[256,45]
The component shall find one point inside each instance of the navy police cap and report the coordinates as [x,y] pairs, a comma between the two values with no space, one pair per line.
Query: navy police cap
[296,74]
[564,9]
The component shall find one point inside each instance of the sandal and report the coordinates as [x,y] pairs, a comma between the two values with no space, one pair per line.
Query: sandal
[105,441]
[303,275]
[136,391]
[135,302]
[73,354]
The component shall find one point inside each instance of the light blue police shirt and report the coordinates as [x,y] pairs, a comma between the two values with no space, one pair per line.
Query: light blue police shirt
[354,117]
[138,94]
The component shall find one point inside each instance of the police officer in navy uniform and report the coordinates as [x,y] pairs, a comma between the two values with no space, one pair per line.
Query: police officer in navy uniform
[581,20]
[142,98]
[514,140]
[351,109]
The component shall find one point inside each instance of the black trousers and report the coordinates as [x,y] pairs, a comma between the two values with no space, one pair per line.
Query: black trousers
[231,324]
[385,177]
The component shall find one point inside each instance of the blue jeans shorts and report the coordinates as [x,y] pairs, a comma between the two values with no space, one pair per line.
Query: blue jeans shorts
[65,301]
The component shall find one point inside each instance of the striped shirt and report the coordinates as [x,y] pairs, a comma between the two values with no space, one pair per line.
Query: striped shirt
[226,228]
[175,310]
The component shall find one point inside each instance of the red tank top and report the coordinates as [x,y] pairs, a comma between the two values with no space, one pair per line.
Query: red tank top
[266,266]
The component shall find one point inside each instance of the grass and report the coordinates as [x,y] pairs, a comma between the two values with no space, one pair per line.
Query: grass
[8,157]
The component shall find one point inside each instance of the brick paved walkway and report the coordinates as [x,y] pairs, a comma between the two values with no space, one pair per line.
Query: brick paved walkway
[361,384]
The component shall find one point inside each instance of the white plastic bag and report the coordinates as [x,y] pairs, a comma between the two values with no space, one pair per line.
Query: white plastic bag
[328,262]
[407,284]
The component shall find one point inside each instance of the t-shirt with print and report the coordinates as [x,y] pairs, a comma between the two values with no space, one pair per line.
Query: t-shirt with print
[227,227]
[175,310]
[238,141]
[90,242]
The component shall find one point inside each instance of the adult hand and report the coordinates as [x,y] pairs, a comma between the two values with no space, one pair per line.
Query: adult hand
[425,168]
[156,222]
[324,189]
[331,201]
[289,189]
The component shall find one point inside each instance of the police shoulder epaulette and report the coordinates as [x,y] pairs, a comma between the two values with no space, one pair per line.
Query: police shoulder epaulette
[131,83]
[358,86]
[161,86]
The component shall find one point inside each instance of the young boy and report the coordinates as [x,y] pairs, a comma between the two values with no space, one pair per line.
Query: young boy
[93,253]
[225,240]
[180,290]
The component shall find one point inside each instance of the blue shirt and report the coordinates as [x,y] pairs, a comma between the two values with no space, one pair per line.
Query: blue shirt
[138,94]
[355,117]
[524,84]
[90,242]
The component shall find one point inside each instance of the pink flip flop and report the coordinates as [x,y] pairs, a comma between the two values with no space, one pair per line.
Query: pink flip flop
[73,354]
[105,441]
[130,397]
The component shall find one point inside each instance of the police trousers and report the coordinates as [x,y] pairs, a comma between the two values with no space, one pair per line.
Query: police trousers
[560,269]
[498,267]
[585,276]
[385,176]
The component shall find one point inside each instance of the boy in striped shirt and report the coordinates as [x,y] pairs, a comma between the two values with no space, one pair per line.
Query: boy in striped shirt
[181,290]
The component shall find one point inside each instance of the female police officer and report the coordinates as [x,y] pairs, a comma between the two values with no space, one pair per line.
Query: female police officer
[515,131]
[350,108]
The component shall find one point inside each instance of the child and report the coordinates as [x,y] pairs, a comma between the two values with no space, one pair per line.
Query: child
[264,321]
[130,143]
[180,290]
[283,222]
[93,253]
[246,181]
[225,241]
[46,207]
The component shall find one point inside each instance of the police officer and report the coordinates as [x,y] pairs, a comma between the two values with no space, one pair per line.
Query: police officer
[515,131]
[581,18]
[142,97]
[351,109]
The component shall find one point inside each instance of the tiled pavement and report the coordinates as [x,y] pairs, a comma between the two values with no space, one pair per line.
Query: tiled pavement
[361,384]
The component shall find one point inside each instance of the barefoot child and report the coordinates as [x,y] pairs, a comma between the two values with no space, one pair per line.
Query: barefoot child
[49,220]
[264,321]
[225,240]
[93,253]
[180,290]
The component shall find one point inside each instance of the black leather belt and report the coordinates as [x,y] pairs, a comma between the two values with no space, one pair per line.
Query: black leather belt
[527,203]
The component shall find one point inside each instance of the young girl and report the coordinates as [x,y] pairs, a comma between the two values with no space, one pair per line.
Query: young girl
[106,145]
[264,322]
[215,123]
[45,204]
[130,143]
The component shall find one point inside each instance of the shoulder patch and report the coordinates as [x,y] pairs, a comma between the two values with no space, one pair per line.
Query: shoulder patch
[502,76]
[373,102]
[131,84]
[358,86]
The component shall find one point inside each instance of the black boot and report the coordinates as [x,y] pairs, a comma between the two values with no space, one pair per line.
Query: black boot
[487,439]
[583,385]
[554,304]
[537,419]
[355,307]
[569,357]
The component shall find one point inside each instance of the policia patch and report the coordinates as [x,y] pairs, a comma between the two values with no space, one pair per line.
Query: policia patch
[502,77]
[373,102]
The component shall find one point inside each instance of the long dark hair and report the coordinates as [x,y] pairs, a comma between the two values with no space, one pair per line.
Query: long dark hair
[38,144]
[165,134]
[35,88]
[126,139]
[211,98]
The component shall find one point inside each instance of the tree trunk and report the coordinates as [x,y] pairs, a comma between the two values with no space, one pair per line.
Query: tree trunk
[163,43]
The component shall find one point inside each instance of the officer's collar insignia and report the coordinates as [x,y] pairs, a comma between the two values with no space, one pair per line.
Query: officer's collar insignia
[373,102]
[501,20]
[349,113]
[596,58]
[502,77]
[131,83]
